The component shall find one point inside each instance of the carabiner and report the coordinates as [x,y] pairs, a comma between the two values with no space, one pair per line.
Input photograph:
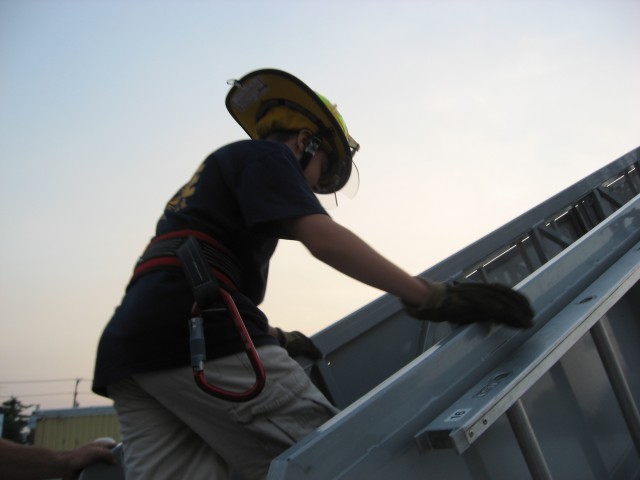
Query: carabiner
[207,291]
[198,355]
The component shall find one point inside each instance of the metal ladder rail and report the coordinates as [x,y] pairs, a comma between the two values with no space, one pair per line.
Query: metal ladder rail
[535,246]
[509,385]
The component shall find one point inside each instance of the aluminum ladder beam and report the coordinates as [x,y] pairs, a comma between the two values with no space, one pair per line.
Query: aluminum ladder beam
[428,385]
[499,392]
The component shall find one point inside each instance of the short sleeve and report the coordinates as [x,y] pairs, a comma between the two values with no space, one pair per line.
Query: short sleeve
[272,188]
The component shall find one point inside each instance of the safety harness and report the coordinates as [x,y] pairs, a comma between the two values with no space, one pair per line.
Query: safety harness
[207,264]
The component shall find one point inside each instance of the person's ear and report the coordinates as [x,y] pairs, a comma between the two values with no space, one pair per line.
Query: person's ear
[303,139]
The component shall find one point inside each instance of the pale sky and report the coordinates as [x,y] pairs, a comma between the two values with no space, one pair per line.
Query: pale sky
[469,113]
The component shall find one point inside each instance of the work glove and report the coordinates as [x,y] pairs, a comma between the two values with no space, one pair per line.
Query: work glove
[473,302]
[296,344]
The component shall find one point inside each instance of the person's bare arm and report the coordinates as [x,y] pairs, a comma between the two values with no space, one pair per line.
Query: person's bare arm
[423,299]
[343,250]
[25,462]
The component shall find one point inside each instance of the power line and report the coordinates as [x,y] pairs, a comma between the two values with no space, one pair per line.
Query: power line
[76,392]
[2,382]
[46,394]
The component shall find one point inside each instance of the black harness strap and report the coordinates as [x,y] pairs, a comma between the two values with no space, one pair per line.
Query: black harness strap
[206,289]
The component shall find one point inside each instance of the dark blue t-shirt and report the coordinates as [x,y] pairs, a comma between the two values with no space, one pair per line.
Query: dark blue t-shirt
[239,195]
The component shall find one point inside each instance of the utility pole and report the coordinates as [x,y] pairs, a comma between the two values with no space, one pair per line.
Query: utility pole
[75,394]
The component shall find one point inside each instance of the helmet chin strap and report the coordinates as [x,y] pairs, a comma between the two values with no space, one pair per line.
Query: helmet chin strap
[309,151]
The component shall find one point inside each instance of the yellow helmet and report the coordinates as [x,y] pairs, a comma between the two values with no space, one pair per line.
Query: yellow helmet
[268,100]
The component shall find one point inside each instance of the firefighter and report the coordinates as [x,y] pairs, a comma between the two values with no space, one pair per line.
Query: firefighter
[242,200]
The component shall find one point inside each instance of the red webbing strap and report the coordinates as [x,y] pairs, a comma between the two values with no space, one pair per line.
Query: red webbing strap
[191,233]
[171,260]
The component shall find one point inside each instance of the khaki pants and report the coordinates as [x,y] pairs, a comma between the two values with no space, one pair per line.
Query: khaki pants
[173,430]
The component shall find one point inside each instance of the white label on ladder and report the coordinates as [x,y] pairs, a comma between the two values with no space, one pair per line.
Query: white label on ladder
[458,414]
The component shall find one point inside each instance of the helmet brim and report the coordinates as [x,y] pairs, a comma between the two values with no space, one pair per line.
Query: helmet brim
[252,95]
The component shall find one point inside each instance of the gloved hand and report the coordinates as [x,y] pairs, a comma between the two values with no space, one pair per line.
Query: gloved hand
[474,302]
[296,344]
